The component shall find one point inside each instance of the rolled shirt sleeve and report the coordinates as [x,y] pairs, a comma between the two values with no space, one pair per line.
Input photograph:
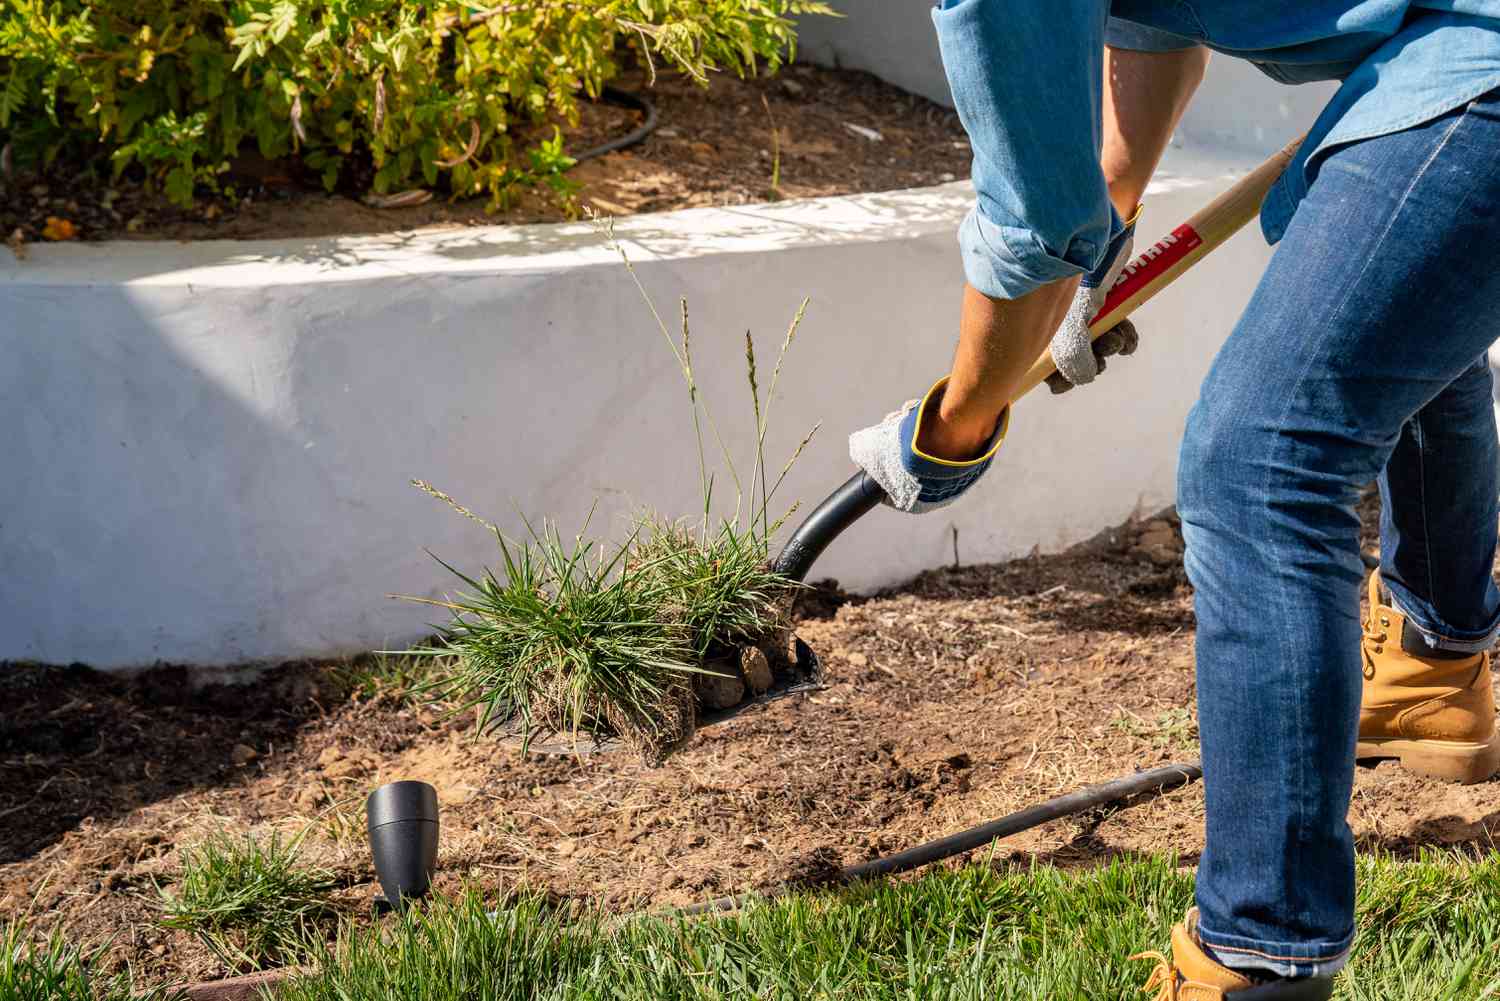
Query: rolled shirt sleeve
[1027,81]
[1122,34]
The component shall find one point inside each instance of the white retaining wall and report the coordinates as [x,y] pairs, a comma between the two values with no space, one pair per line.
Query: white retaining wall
[208,445]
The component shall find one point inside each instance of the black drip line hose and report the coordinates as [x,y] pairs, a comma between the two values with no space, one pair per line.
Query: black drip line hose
[855,498]
[1154,780]
[623,99]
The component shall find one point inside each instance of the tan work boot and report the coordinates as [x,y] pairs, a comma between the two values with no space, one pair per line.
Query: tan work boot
[1190,975]
[1436,715]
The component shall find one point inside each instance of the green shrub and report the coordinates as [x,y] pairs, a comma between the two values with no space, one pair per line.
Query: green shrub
[442,91]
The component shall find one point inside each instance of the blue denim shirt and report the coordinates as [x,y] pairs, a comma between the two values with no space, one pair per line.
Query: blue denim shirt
[1027,81]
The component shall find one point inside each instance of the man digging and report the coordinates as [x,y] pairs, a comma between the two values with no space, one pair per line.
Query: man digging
[1360,357]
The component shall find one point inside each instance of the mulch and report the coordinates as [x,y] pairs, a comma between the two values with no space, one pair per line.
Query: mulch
[813,131]
[954,699]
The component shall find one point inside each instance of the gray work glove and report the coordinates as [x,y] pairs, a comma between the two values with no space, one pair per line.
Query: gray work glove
[912,480]
[1079,358]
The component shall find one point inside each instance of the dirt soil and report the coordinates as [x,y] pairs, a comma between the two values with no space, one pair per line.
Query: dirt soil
[712,147]
[952,700]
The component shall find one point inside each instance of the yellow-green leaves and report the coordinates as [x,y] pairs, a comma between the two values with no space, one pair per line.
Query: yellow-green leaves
[319,79]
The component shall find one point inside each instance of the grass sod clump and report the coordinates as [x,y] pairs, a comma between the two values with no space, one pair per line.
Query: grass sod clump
[55,968]
[582,637]
[449,93]
[1428,929]
[252,901]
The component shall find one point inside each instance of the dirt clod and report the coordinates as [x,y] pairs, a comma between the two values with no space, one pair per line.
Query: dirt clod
[756,669]
[719,686]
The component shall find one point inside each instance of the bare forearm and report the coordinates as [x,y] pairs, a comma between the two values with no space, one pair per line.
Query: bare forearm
[1145,95]
[998,340]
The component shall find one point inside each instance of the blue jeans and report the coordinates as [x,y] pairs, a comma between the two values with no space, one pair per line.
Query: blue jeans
[1360,357]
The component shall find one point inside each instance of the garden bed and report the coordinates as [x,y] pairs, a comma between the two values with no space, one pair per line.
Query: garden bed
[836,132]
[961,696]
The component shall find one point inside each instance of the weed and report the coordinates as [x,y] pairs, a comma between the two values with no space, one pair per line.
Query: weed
[251,901]
[774,191]
[1171,728]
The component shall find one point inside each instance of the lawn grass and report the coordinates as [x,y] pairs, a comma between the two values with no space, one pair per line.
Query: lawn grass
[251,901]
[1429,929]
[55,969]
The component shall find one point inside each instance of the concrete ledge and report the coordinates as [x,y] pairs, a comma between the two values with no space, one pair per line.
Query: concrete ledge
[208,445]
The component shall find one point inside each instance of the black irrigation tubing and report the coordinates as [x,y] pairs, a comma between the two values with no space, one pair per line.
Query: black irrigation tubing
[623,99]
[1162,779]
[859,495]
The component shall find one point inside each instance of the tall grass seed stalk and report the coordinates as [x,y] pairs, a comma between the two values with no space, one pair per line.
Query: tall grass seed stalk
[589,639]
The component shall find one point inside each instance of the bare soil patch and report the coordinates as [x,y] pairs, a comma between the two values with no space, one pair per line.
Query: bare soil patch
[952,700]
[713,147]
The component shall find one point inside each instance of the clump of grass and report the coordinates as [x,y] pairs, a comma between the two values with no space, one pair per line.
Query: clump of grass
[570,638]
[55,969]
[384,675]
[720,585]
[252,901]
[583,637]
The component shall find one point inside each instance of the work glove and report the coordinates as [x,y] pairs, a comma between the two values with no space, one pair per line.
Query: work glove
[1080,359]
[912,480]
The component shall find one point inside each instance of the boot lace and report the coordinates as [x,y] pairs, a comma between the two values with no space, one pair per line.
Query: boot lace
[1164,979]
[1372,639]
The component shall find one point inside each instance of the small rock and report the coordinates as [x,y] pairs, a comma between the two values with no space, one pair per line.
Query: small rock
[757,670]
[864,132]
[792,87]
[859,660]
[752,843]
[566,847]
[242,754]
[721,689]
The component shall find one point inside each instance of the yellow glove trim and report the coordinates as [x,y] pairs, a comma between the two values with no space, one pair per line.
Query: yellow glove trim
[999,437]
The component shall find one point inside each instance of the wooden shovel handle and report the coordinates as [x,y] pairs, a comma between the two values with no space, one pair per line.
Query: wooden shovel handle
[1162,263]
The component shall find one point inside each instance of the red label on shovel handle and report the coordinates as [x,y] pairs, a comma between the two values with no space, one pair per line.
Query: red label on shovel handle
[1150,265]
